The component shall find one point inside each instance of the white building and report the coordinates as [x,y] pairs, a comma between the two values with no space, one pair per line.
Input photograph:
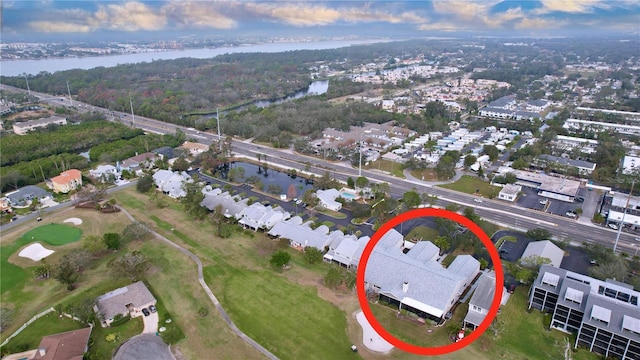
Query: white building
[415,281]
[22,128]
[631,165]
[328,199]
[509,192]
[543,249]
[581,125]
[171,183]
[258,216]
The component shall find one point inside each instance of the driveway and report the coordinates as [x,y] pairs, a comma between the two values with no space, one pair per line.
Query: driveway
[150,323]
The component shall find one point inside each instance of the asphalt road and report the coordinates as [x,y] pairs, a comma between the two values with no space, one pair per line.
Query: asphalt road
[493,210]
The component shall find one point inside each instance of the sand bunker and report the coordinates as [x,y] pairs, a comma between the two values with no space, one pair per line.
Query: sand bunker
[35,252]
[75,221]
[370,337]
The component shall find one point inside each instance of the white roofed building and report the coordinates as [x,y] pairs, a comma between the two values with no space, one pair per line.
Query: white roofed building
[417,282]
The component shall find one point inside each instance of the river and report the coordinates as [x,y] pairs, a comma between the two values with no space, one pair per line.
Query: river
[33,67]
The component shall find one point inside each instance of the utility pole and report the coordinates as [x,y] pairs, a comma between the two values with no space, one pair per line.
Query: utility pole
[218,121]
[27,80]
[133,117]
[69,92]
[360,151]
[624,213]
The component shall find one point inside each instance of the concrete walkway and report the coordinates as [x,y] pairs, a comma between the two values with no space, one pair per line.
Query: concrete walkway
[207,290]
[456,177]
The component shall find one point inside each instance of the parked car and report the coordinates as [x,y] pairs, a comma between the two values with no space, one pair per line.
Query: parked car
[152,308]
[543,202]
[613,226]
[571,214]
[145,312]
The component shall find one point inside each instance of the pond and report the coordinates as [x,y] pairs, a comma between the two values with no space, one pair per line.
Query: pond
[265,179]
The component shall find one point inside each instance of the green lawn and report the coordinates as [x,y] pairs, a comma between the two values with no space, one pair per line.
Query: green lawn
[103,349]
[391,167]
[12,276]
[53,234]
[527,335]
[422,233]
[469,184]
[49,324]
[288,319]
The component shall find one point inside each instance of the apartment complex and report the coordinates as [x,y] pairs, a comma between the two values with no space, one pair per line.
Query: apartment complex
[604,314]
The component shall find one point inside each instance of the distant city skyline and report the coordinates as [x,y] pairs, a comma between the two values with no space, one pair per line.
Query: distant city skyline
[36,20]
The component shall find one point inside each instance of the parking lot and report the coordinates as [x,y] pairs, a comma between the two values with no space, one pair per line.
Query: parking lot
[530,199]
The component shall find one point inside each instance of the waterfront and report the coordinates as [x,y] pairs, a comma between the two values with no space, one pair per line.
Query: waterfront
[34,67]
[263,178]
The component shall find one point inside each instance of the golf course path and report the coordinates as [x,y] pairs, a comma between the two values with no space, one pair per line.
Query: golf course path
[206,288]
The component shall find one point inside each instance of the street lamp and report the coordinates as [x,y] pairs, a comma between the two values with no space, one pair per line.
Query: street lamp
[624,213]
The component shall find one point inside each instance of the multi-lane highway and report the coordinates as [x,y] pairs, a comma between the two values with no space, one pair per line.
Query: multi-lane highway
[492,210]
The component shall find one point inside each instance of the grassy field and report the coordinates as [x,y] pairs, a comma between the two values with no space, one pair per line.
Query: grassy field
[469,184]
[54,234]
[51,323]
[290,312]
[392,167]
[422,233]
[426,174]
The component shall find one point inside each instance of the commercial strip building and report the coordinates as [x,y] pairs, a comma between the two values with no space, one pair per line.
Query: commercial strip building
[576,125]
[552,187]
[604,314]
[22,128]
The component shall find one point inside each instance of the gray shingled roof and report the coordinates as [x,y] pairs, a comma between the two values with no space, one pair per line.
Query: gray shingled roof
[431,288]
[568,162]
[115,302]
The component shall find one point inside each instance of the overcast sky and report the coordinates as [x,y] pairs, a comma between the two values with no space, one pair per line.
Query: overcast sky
[233,18]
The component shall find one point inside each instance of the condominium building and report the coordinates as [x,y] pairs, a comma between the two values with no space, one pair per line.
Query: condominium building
[604,314]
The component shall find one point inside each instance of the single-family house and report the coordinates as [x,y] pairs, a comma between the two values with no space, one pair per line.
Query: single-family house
[509,192]
[70,345]
[482,299]
[128,300]
[257,216]
[138,162]
[105,172]
[164,153]
[172,183]
[543,249]
[67,181]
[5,204]
[417,282]
[328,199]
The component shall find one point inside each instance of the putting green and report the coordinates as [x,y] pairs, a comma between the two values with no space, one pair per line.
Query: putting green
[53,234]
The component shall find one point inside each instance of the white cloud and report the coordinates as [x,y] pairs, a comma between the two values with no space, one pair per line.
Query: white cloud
[198,14]
[129,16]
[571,6]
[58,26]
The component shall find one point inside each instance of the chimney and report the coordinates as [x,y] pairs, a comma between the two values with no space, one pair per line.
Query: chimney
[42,351]
[405,286]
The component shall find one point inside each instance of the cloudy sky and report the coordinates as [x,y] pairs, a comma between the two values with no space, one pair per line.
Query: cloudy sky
[233,17]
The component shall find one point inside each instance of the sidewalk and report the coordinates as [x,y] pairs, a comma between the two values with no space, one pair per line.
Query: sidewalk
[456,177]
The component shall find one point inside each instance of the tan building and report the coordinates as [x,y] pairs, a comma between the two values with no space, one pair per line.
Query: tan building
[194,148]
[67,181]
[22,128]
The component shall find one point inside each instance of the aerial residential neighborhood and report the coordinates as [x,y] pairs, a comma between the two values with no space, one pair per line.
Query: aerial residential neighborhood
[197,194]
